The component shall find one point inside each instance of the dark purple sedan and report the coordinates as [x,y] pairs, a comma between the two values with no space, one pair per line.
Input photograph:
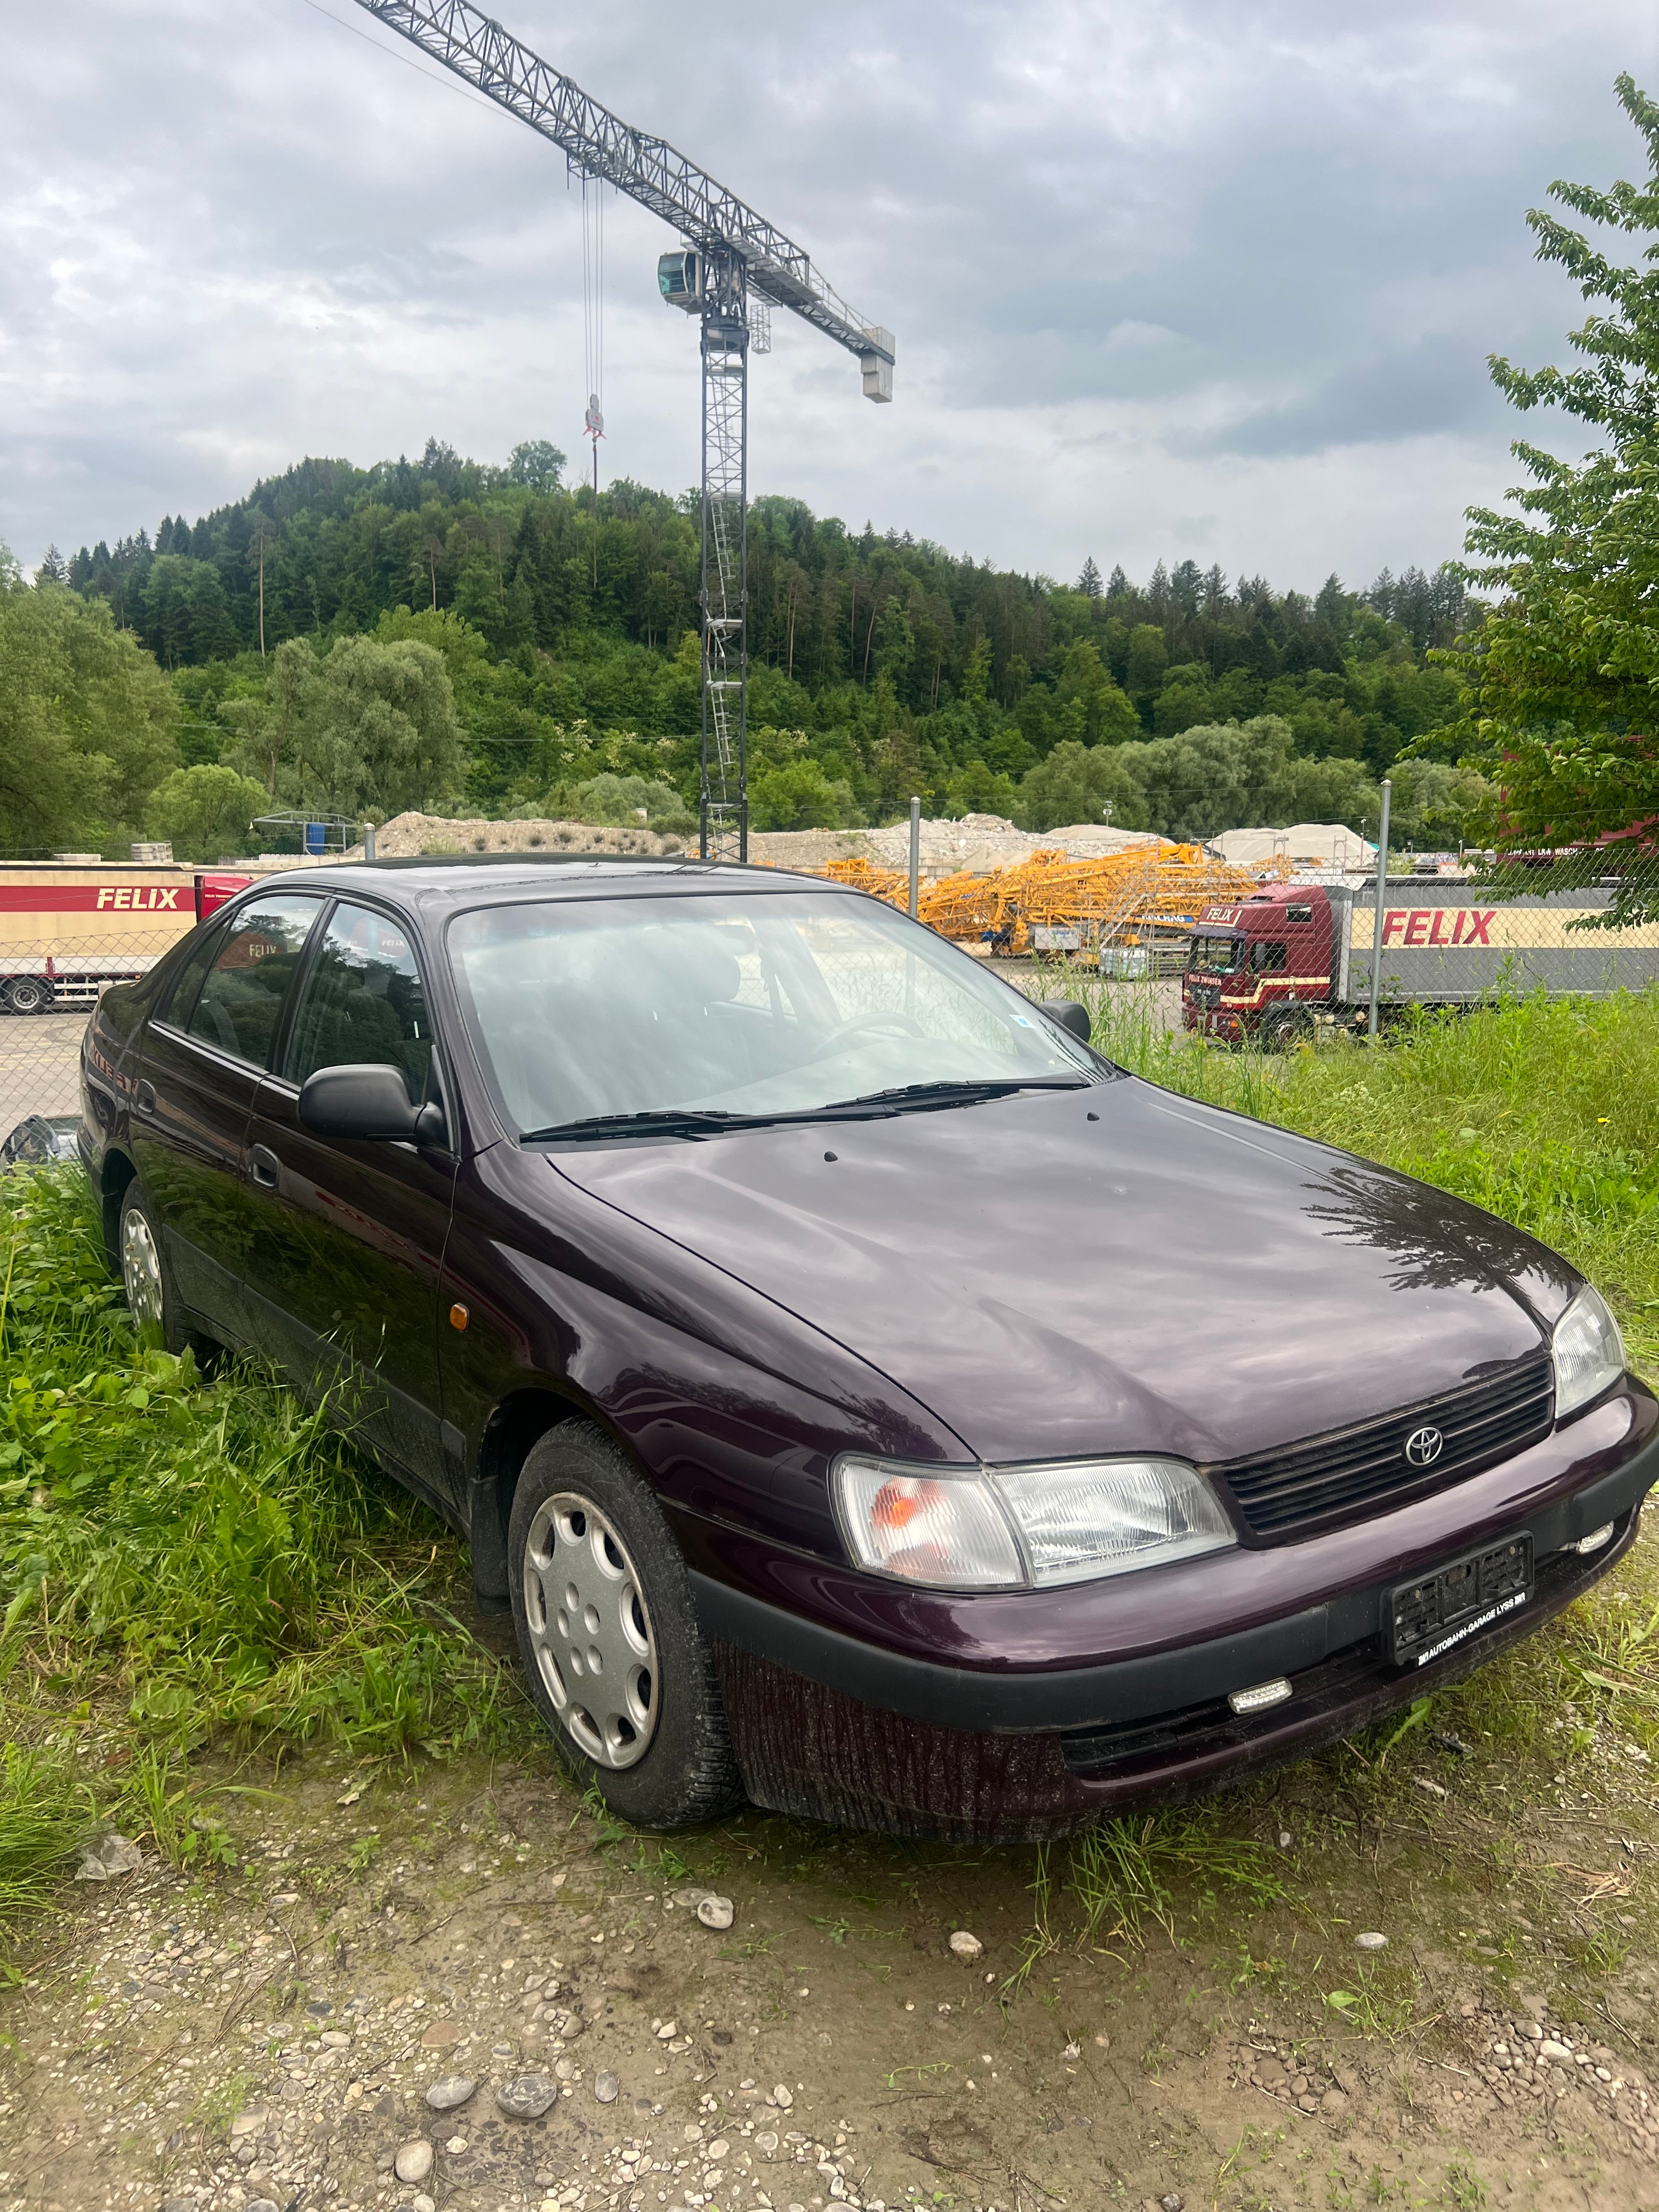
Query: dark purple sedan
[868,1400]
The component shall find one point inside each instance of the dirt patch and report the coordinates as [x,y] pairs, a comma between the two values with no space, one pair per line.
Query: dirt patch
[267,2032]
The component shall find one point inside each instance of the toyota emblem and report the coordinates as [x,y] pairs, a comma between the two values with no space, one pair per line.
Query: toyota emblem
[1424,1446]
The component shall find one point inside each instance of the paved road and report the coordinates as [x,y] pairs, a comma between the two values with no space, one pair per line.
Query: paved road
[39,1065]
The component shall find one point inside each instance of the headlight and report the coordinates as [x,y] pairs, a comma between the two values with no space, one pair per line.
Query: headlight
[1589,1352]
[1023,1527]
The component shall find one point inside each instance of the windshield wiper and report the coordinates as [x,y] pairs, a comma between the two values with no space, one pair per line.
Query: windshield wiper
[659,1121]
[958,1090]
[712,1120]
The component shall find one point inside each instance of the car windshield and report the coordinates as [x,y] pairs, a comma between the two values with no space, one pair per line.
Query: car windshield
[754,1007]
[1214,955]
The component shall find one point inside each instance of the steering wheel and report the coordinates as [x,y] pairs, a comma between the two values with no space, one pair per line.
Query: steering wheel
[878,1019]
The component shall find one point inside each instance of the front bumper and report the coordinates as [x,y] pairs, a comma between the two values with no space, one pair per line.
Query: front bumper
[833,1726]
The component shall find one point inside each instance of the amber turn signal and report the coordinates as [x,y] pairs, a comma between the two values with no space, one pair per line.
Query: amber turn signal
[459,1316]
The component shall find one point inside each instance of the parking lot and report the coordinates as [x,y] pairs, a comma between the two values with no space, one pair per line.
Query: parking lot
[39,1064]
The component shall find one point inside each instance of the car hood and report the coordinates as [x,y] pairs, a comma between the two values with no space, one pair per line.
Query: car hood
[1113,1269]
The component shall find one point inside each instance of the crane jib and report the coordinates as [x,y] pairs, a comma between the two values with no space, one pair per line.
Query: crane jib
[648,170]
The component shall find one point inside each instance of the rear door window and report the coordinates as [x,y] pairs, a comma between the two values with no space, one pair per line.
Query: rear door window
[363,1004]
[178,1002]
[239,1006]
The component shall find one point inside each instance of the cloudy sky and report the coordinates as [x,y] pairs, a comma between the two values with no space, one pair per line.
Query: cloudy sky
[1214,278]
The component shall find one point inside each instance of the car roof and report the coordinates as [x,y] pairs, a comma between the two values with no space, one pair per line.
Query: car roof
[447,881]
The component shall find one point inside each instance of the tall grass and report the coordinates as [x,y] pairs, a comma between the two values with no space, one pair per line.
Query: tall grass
[185,1558]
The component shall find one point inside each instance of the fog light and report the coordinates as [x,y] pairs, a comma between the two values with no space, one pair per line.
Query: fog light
[1260,1696]
[1596,1538]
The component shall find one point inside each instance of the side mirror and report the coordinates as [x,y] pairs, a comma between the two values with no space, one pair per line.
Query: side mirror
[1071,1014]
[366,1102]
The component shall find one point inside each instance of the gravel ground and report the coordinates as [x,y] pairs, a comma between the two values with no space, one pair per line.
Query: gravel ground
[430,1987]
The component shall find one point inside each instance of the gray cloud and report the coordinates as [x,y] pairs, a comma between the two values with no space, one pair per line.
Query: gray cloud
[1214,272]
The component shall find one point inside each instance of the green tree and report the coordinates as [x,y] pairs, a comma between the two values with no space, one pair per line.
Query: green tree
[1436,807]
[87,721]
[204,812]
[1149,657]
[1222,776]
[1331,790]
[798,795]
[1564,669]
[1078,783]
[622,800]
[370,729]
[1106,717]
[537,463]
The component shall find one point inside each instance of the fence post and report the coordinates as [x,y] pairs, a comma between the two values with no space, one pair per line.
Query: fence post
[915,856]
[1376,919]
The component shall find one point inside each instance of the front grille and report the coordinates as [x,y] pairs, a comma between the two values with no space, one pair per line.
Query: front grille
[1351,1472]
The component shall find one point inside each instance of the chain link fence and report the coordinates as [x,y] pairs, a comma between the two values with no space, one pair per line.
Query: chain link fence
[47,991]
[1449,938]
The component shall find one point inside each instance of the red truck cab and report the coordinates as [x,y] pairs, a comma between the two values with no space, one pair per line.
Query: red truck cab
[1262,966]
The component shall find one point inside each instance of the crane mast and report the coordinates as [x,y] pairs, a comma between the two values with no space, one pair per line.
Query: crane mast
[733,258]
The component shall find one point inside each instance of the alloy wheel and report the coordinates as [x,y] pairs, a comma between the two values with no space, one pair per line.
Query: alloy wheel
[590,1628]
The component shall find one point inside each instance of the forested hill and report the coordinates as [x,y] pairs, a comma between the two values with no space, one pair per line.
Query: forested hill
[881,664]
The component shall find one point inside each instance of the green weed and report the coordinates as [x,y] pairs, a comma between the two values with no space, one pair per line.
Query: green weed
[1123,1872]
[45,1816]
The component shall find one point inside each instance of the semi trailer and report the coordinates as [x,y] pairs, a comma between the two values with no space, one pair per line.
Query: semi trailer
[70,929]
[1293,959]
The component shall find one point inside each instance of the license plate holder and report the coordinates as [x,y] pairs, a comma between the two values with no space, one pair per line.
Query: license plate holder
[1434,1612]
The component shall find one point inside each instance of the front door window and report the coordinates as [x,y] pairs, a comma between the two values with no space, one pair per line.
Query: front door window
[363,1004]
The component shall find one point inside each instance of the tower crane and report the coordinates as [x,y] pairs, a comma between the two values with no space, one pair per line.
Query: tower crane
[731,268]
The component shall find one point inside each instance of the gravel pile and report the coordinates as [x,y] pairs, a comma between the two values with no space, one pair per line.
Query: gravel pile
[976,840]
[407,835]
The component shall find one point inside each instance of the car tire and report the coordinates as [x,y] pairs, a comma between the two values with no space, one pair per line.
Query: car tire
[646,1727]
[152,1300]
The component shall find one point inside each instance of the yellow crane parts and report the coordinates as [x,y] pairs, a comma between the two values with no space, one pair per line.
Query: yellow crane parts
[1126,898]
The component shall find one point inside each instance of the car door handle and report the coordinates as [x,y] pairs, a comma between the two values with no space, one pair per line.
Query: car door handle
[143,1098]
[267,1168]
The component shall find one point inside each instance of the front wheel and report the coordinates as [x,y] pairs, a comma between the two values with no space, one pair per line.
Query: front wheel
[618,1663]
